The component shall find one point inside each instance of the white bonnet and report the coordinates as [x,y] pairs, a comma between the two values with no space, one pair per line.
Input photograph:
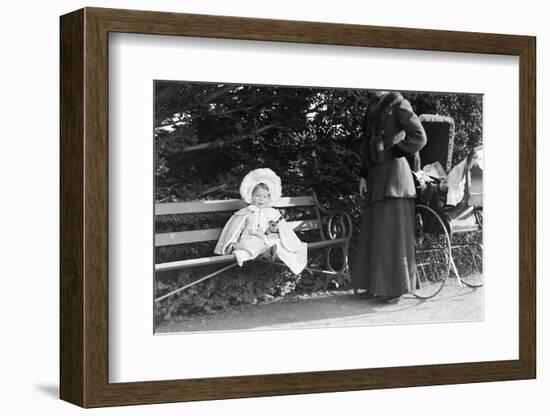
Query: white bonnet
[262,175]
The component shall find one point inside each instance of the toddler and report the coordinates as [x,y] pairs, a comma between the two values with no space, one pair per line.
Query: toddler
[259,229]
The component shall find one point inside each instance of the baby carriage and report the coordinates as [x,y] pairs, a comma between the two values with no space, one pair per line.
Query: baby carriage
[448,212]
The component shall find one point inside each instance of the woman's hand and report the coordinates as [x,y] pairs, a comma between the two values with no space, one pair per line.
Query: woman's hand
[362,187]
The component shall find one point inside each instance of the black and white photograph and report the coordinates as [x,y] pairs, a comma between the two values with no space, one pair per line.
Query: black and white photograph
[275,208]
[286,207]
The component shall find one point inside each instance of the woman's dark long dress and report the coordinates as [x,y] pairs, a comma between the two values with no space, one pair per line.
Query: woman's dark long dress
[385,264]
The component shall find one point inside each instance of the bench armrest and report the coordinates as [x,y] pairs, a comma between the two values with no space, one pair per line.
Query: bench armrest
[333,224]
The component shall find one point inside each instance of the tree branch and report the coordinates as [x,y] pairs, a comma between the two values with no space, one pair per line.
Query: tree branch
[219,92]
[222,143]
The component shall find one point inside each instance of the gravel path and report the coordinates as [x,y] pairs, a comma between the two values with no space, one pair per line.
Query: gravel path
[452,304]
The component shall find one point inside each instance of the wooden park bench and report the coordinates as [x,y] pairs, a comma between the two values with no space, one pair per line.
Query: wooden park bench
[334,230]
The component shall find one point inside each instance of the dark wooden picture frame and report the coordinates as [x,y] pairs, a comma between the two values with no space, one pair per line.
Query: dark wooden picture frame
[84,207]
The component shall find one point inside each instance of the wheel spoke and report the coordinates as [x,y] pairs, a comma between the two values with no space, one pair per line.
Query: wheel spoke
[433,249]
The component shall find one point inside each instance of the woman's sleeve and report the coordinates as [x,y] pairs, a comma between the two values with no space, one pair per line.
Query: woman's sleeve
[364,149]
[415,137]
[364,158]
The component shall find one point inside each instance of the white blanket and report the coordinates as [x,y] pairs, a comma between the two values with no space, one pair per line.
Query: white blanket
[242,228]
[455,181]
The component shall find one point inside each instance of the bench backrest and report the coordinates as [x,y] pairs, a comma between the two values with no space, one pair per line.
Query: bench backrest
[223,205]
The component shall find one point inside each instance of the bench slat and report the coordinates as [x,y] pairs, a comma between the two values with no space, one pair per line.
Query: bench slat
[185,264]
[199,207]
[326,243]
[187,237]
[196,236]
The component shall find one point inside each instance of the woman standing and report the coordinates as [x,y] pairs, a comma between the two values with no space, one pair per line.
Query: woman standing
[384,266]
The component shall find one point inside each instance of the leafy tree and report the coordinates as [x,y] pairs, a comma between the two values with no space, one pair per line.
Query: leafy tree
[466,111]
[209,135]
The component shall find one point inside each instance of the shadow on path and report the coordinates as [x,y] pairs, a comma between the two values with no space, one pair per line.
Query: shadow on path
[339,309]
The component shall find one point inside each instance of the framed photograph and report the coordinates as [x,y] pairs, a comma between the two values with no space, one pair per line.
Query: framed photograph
[255,207]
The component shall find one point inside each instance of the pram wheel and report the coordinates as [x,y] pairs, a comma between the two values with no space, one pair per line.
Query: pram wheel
[432,253]
[468,253]
[473,276]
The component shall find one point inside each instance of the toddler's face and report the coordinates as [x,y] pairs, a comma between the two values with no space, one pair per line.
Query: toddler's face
[260,197]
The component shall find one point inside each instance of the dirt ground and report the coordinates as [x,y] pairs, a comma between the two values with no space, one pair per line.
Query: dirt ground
[339,309]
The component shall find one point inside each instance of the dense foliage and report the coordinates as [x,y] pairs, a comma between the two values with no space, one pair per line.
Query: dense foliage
[208,136]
